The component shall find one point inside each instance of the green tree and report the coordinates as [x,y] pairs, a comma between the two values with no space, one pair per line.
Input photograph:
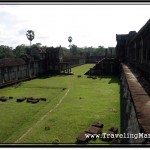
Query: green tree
[34,50]
[6,52]
[38,44]
[100,51]
[30,35]
[70,40]
[66,52]
[19,50]
[74,50]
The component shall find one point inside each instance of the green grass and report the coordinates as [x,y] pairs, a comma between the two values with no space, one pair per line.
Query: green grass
[88,100]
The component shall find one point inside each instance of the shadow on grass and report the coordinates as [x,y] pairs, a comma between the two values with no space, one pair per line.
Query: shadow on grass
[51,75]
[113,78]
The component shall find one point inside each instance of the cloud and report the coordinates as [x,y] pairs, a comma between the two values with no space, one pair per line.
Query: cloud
[42,37]
[87,24]
[22,31]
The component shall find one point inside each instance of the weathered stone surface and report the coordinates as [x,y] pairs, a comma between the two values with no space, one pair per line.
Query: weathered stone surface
[29,99]
[114,130]
[81,139]
[94,130]
[3,98]
[33,100]
[43,99]
[98,124]
[21,99]
[135,106]
[36,98]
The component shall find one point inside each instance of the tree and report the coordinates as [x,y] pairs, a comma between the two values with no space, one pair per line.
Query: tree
[74,50]
[70,40]
[100,51]
[66,51]
[19,50]
[30,35]
[35,51]
[5,52]
[38,44]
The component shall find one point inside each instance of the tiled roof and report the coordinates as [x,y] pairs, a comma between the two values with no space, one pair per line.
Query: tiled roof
[11,62]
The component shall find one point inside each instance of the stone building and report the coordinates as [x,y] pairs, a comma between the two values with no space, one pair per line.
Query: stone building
[28,66]
[75,60]
[134,48]
[12,69]
[133,51]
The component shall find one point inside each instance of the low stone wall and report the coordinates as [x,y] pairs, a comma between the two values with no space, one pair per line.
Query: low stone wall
[135,107]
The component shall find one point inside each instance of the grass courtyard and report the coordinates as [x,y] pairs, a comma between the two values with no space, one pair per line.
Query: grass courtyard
[65,114]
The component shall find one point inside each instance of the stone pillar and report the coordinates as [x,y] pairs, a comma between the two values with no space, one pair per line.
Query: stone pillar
[9,73]
[66,67]
[70,68]
[29,70]
[59,68]
[141,51]
[146,56]
[111,67]
[135,50]
[17,73]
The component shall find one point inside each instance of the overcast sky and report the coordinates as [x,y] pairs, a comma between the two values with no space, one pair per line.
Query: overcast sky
[89,25]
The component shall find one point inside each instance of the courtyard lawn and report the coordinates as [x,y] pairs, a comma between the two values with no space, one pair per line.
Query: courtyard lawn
[74,109]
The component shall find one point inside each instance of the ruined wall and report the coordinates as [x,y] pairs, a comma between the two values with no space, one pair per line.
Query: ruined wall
[132,104]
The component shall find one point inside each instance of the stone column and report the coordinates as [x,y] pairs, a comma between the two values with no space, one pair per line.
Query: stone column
[66,68]
[29,70]
[141,51]
[70,68]
[16,71]
[146,55]
[135,50]
[111,67]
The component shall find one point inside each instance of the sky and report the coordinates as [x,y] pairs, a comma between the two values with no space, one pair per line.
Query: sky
[89,25]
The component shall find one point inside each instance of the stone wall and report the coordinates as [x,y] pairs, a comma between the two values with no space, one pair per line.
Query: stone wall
[74,61]
[107,66]
[29,66]
[134,107]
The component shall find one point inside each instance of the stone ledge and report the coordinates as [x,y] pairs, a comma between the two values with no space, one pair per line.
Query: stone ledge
[141,99]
